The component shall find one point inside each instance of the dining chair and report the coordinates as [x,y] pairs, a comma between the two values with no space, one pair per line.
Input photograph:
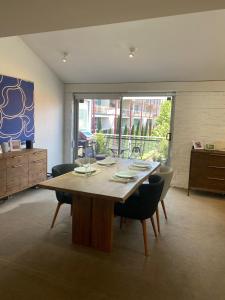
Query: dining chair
[142,205]
[167,174]
[62,197]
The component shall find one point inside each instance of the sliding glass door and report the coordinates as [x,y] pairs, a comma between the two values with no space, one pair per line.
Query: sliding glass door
[127,126]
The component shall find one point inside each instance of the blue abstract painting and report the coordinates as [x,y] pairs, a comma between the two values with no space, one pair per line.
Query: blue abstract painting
[16,109]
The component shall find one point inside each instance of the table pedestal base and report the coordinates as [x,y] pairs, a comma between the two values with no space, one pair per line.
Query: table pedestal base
[92,222]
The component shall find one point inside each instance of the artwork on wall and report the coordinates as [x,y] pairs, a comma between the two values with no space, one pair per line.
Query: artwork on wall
[16,109]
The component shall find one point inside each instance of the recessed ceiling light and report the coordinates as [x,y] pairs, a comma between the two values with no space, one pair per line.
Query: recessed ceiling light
[64,58]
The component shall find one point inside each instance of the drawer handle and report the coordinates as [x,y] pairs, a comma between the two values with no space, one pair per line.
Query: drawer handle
[214,178]
[37,161]
[17,166]
[216,167]
[217,155]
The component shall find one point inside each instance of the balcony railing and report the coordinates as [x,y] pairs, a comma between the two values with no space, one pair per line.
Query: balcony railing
[141,147]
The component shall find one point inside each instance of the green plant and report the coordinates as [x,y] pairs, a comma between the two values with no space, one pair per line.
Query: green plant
[142,131]
[99,125]
[125,132]
[132,130]
[100,142]
[162,124]
[137,131]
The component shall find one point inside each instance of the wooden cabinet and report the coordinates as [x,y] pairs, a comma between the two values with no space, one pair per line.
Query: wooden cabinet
[21,170]
[2,177]
[207,171]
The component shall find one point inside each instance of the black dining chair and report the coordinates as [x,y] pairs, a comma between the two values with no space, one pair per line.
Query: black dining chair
[142,205]
[62,197]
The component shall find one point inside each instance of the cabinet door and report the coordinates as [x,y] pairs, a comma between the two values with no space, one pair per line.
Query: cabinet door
[37,167]
[17,177]
[198,170]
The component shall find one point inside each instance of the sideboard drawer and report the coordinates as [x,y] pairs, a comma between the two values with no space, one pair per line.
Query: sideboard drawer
[218,172]
[17,177]
[37,171]
[216,183]
[217,160]
[207,171]
[16,160]
[2,164]
[37,155]
[2,182]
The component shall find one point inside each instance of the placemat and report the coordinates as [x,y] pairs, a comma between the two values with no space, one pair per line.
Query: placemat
[85,175]
[123,180]
[138,169]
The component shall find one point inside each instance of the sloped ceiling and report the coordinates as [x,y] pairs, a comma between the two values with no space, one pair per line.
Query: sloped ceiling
[25,16]
[187,47]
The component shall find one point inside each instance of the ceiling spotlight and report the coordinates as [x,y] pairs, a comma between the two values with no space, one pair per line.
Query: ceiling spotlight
[132,52]
[64,58]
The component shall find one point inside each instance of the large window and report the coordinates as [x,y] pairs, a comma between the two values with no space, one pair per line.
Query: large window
[129,127]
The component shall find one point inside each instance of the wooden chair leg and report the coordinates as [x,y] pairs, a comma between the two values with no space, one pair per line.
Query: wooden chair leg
[71,209]
[164,209]
[56,213]
[144,228]
[153,226]
[157,219]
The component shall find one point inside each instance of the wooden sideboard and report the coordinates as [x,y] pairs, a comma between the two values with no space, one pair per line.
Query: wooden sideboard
[207,171]
[20,170]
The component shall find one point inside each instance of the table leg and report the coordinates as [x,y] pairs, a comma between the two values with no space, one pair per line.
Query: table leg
[92,222]
[102,224]
[81,220]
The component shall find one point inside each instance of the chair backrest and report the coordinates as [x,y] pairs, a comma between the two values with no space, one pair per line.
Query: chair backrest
[63,169]
[85,160]
[149,195]
[60,170]
[167,174]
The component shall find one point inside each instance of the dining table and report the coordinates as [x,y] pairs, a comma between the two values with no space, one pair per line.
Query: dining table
[94,197]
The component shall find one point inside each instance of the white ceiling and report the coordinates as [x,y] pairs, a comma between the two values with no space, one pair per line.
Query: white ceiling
[26,16]
[187,47]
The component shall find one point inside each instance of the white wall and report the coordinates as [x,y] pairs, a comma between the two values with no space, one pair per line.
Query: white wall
[199,115]
[17,60]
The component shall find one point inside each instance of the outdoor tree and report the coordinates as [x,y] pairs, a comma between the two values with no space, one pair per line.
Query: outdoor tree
[150,127]
[142,131]
[162,123]
[125,132]
[162,127]
[132,130]
[146,128]
[99,125]
[137,131]
[118,125]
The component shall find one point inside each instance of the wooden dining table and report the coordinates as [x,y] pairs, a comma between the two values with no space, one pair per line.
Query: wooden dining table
[93,200]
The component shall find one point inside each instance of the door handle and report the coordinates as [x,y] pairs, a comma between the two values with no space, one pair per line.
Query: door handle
[168,136]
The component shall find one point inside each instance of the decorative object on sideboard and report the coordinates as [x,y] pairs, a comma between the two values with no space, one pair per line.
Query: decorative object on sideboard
[197,145]
[15,145]
[29,144]
[5,147]
[209,147]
